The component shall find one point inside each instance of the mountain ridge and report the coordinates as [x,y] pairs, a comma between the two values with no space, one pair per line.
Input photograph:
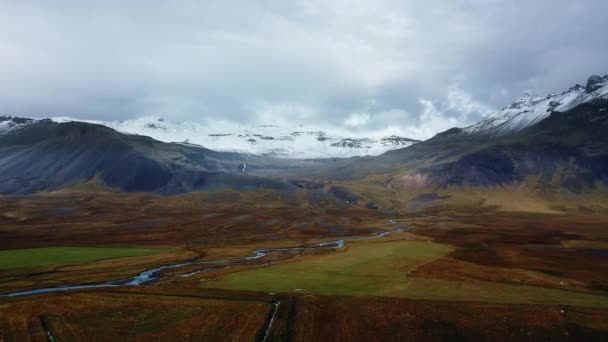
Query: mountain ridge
[530,109]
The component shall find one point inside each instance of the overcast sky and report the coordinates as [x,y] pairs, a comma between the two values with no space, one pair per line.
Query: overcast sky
[408,67]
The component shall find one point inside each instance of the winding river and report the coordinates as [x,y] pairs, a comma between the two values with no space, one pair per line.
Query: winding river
[153,273]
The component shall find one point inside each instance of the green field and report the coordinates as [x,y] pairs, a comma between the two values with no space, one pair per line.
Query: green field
[54,256]
[380,269]
[362,269]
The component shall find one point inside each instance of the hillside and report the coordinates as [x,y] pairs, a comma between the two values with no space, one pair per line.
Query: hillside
[46,155]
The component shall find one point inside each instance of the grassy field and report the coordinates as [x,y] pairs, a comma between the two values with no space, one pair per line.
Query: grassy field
[51,256]
[361,270]
[381,269]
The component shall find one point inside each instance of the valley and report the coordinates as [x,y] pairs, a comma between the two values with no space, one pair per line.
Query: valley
[478,261]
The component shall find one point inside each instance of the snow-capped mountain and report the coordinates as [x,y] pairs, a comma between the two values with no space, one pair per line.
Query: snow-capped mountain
[307,142]
[530,109]
[285,142]
[10,123]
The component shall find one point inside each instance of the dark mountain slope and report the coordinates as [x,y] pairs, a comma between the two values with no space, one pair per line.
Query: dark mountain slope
[47,155]
[569,148]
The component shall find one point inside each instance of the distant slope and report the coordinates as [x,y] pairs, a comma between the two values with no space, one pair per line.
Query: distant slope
[46,155]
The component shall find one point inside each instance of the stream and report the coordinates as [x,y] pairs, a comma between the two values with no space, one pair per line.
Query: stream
[153,273]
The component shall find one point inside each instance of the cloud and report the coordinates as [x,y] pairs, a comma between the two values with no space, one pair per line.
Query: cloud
[433,120]
[282,114]
[357,120]
[462,103]
[351,65]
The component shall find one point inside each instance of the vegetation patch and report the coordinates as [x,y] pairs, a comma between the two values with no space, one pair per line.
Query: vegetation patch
[361,270]
[108,316]
[381,269]
[54,256]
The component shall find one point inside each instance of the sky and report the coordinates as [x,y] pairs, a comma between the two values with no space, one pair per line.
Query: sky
[413,68]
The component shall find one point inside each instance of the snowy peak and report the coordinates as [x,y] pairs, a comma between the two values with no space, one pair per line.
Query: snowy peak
[596,82]
[11,123]
[527,99]
[397,141]
[529,109]
[271,140]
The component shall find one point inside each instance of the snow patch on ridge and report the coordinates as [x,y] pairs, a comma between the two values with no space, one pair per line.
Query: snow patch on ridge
[11,123]
[285,142]
[531,109]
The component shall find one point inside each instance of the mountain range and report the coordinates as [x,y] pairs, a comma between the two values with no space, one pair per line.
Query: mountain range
[557,143]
